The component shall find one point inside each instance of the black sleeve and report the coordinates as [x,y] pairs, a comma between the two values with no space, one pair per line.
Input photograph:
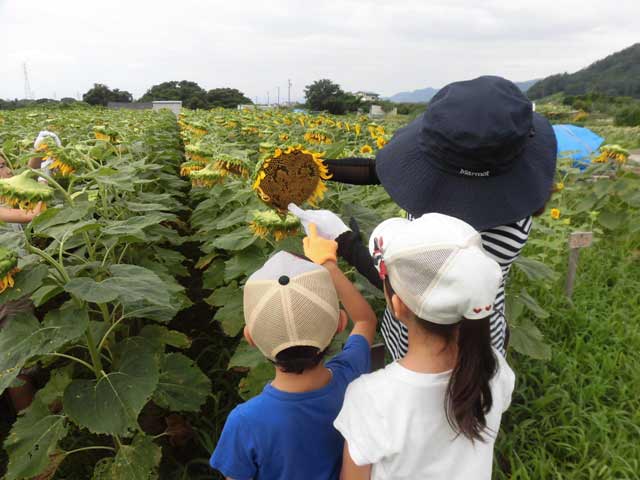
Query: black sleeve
[354,171]
[351,248]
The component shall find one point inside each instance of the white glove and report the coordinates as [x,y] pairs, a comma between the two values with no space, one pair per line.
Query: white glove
[329,224]
[44,134]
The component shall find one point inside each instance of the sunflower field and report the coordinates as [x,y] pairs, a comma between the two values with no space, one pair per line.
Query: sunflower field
[152,225]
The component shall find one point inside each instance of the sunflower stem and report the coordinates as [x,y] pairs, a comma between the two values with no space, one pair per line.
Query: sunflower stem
[95,356]
[58,266]
[50,180]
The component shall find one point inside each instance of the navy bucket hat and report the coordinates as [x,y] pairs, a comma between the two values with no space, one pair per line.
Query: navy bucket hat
[478,153]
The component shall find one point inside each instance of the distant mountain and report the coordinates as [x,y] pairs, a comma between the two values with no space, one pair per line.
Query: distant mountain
[616,75]
[417,96]
[424,95]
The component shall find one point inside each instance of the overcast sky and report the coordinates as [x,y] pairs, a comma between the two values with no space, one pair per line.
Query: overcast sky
[384,46]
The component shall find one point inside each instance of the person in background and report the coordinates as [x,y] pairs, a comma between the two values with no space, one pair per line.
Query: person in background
[38,162]
[292,313]
[478,153]
[12,219]
[435,413]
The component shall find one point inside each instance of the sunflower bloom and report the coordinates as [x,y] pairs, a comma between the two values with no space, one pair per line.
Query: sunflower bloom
[187,167]
[8,268]
[291,175]
[559,186]
[380,142]
[555,213]
[206,177]
[366,149]
[269,222]
[23,192]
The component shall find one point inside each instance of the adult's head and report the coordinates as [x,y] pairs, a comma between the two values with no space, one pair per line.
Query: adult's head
[478,153]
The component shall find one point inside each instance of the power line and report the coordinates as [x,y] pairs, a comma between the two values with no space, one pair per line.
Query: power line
[289,91]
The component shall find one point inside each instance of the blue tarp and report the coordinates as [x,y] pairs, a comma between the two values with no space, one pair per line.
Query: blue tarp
[578,143]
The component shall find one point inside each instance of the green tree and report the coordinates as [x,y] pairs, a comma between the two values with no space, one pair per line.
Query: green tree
[628,117]
[226,97]
[101,94]
[325,95]
[191,94]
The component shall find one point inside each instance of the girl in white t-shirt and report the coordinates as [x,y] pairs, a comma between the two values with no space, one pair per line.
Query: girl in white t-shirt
[435,413]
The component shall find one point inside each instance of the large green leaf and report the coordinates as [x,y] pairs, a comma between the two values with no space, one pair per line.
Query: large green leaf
[182,386]
[26,282]
[254,382]
[24,337]
[138,461]
[34,436]
[128,283]
[161,336]
[58,216]
[246,356]
[243,263]
[66,230]
[112,403]
[535,270]
[89,290]
[213,276]
[135,226]
[527,339]
[236,240]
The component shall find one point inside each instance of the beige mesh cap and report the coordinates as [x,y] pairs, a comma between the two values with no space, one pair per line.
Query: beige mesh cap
[437,266]
[290,302]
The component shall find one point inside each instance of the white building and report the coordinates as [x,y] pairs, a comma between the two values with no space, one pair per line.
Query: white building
[368,96]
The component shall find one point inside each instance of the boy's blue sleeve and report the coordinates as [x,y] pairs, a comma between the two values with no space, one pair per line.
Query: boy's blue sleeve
[354,360]
[235,453]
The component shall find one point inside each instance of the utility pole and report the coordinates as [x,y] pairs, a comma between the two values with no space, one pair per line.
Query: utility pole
[28,93]
[278,96]
[268,101]
[289,92]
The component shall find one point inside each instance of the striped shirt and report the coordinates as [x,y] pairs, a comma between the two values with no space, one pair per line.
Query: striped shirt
[503,244]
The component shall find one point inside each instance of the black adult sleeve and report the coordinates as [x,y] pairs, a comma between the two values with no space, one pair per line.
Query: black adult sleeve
[351,248]
[354,170]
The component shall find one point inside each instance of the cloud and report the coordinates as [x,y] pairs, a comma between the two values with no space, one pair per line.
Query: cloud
[256,46]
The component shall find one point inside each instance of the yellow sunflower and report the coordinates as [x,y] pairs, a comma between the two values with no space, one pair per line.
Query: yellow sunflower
[206,177]
[380,142]
[366,149]
[292,174]
[23,192]
[8,268]
[555,213]
[269,222]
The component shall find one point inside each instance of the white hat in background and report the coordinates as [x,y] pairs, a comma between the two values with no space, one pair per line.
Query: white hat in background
[437,266]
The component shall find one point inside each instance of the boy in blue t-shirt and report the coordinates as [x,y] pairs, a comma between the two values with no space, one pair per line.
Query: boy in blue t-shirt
[292,313]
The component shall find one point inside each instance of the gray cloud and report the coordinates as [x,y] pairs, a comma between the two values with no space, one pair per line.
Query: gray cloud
[255,46]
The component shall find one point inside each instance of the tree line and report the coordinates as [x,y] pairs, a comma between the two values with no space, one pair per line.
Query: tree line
[321,95]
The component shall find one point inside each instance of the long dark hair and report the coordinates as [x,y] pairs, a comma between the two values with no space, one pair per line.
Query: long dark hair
[468,398]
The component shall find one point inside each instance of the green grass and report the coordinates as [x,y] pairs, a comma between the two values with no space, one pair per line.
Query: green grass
[577,416]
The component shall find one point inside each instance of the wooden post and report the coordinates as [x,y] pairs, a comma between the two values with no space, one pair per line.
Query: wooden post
[577,240]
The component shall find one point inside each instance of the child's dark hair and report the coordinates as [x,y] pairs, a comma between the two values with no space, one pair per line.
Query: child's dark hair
[468,398]
[299,359]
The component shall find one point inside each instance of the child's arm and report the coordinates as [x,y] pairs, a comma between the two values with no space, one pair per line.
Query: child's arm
[351,471]
[323,252]
[363,317]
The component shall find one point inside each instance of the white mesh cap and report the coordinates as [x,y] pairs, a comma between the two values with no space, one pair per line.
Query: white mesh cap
[437,266]
[290,302]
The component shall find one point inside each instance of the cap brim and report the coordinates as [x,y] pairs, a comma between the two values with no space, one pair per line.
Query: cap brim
[419,187]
